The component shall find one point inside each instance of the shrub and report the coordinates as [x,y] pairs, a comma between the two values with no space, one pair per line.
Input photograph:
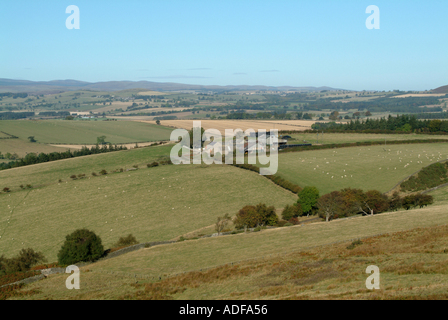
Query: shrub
[22,186]
[81,245]
[135,166]
[94,174]
[126,241]
[288,224]
[22,262]
[281,223]
[29,186]
[103,172]
[73,177]
[294,221]
[6,189]
[152,164]
[354,244]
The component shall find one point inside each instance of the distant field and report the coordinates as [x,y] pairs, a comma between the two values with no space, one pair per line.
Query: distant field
[280,271]
[85,132]
[420,95]
[153,93]
[153,204]
[222,125]
[330,138]
[23,147]
[358,167]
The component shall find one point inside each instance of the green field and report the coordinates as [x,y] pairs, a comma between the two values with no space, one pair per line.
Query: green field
[365,168]
[331,138]
[47,173]
[85,132]
[153,204]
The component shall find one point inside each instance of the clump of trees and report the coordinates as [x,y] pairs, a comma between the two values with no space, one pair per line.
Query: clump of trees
[348,202]
[255,216]
[81,245]
[22,262]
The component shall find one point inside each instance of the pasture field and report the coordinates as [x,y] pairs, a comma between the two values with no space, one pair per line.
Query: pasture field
[154,204]
[330,138]
[365,168]
[23,147]
[411,263]
[440,195]
[85,132]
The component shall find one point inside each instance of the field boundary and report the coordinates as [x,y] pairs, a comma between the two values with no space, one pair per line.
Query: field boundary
[10,136]
[408,177]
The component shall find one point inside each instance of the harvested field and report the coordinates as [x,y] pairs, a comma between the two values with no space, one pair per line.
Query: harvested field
[222,125]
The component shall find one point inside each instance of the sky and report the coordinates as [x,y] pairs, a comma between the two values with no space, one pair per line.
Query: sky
[228,42]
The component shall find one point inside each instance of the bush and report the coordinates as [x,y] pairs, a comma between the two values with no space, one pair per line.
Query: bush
[103,172]
[29,186]
[6,189]
[81,245]
[73,177]
[294,221]
[94,174]
[126,241]
[152,164]
[22,262]
[281,223]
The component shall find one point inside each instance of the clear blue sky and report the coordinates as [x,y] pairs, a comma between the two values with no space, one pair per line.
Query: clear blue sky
[227,42]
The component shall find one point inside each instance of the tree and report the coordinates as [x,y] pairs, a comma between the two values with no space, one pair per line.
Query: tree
[334,115]
[31,138]
[293,211]
[330,205]
[158,122]
[101,140]
[81,245]
[368,113]
[308,199]
[222,223]
[69,118]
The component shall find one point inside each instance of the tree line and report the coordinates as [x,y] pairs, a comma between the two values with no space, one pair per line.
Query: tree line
[33,158]
[400,123]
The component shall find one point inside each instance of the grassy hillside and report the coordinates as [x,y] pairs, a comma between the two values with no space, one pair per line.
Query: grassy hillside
[153,204]
[358,167]
[283,267]
[51,172]
[85,132]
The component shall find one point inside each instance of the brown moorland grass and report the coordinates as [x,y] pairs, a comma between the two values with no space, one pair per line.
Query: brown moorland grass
[413,265]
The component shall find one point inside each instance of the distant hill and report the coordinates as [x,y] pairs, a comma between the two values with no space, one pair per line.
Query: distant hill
[443,89]
[55,86]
